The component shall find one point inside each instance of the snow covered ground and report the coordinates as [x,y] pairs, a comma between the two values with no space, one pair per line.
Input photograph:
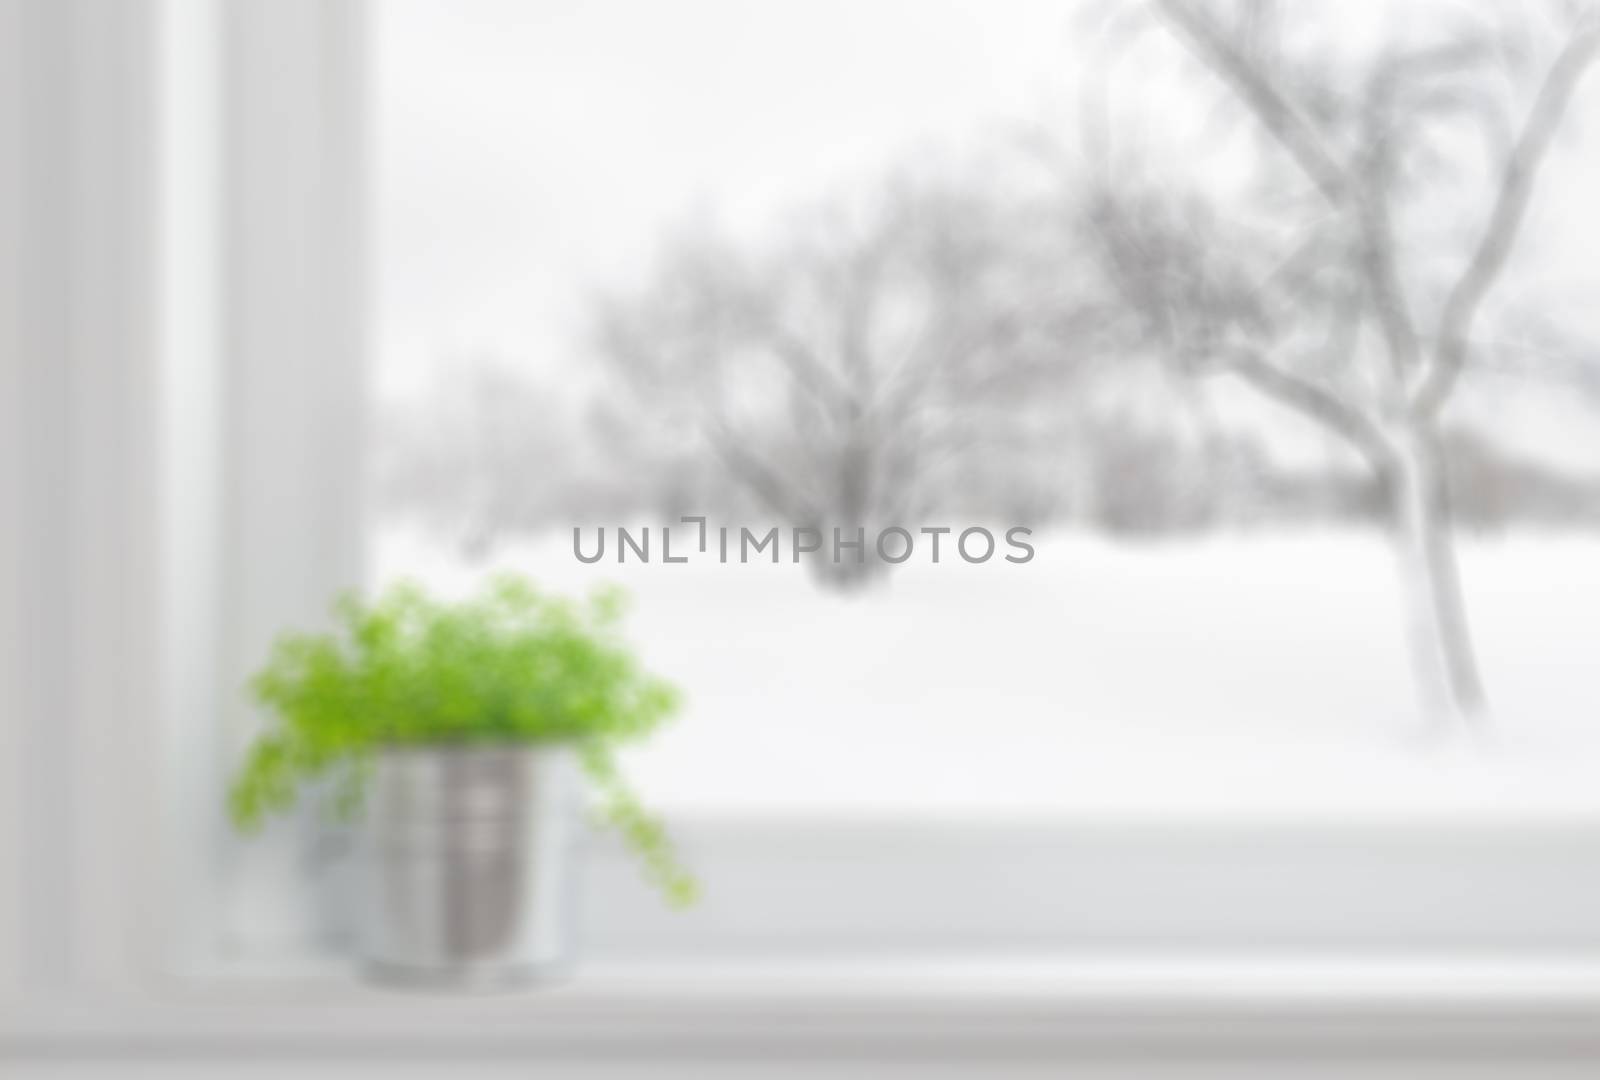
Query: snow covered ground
[1223,677]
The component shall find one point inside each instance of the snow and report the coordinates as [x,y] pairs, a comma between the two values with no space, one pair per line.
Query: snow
[1228,677]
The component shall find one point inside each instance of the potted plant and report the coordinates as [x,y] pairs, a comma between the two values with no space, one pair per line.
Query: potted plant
[458,733]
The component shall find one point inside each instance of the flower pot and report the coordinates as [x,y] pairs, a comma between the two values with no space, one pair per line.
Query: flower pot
[468,854]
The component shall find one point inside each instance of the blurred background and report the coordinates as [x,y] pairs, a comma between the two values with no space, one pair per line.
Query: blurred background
[1040,264]
[1274,324]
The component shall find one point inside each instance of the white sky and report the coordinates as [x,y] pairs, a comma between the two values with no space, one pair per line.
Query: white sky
[531,151]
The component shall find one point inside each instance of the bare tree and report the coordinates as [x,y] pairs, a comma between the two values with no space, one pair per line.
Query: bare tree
[839,375]
[1333,276]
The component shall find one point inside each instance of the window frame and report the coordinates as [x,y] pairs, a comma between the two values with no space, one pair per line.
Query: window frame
[230,505]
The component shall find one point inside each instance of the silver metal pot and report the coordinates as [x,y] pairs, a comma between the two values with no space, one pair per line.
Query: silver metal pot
[468,855]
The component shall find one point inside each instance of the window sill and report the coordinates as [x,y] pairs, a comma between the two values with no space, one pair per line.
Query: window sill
[1020,1009]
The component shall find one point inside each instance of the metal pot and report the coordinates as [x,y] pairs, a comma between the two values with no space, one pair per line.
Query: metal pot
[468,855]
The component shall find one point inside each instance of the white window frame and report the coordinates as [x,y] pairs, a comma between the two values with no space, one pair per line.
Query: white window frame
[180,199]
[206,501]
[263,314]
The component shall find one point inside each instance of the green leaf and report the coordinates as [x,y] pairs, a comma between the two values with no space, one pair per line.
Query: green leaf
[512,664]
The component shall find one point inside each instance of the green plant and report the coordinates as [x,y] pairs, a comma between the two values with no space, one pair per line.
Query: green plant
[510,665]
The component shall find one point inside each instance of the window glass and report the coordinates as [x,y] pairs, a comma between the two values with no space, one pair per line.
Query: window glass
[1272,412]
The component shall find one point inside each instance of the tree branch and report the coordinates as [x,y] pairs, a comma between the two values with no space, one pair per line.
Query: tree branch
[1505,219]
[1274,111]
[810,373]
[762,481]
[1388,297]
[1313,402]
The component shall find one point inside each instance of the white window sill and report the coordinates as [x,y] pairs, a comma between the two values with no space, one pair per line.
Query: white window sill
[946,1008]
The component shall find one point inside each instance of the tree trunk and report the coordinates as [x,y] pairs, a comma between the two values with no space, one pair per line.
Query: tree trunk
[853,502]
[847,576]
[1440,639]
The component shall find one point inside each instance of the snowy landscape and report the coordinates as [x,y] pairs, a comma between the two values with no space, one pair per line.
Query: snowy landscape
[1226,675]
[1229,344]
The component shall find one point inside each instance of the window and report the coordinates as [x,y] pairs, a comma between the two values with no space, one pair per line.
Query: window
[638,262]
[983,267]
